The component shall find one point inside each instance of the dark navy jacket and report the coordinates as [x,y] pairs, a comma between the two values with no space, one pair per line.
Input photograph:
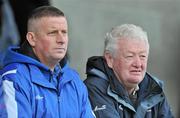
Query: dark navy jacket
[110,100]
[31,89]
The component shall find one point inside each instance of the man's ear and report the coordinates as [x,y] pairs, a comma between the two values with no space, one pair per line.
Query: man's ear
[31,38]
[109,59]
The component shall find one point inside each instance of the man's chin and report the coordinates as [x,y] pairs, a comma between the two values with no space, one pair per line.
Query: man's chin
[59,57]
[135,80]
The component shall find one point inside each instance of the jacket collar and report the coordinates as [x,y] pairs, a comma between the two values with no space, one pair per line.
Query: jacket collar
[98,63]
[26,49]
[43,78]
[37,77]
[149,85]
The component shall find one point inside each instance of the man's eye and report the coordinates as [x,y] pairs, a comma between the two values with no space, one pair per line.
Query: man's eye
[129,56]
[53,32]
[64,32]
[143,56]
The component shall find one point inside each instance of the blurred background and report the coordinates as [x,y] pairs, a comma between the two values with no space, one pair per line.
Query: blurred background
[89,20]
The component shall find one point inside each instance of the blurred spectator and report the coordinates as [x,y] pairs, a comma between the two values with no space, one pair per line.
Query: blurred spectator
[8,29]
[21,9]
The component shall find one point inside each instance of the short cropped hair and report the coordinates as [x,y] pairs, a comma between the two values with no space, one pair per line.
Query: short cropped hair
[125,31]
[43,11]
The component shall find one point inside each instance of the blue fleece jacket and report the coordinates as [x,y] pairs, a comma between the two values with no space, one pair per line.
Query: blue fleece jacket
[32,90]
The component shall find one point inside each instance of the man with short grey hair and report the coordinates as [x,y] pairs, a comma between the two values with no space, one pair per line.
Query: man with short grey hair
[37,80]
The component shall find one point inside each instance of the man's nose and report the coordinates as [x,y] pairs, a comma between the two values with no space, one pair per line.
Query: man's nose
[60,38]
[137,61]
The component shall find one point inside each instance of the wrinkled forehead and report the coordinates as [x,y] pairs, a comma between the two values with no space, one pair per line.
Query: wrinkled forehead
[133,44]
[134,38]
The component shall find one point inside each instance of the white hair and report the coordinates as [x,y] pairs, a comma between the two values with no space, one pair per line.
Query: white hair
[125,31]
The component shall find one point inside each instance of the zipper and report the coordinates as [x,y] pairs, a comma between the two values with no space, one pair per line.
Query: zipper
[59,93]
[58,97]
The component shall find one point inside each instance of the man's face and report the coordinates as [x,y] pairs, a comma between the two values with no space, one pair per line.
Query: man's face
[130,62]
[51,39]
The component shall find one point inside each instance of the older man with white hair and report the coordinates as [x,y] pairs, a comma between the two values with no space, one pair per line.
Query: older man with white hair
[118,84]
